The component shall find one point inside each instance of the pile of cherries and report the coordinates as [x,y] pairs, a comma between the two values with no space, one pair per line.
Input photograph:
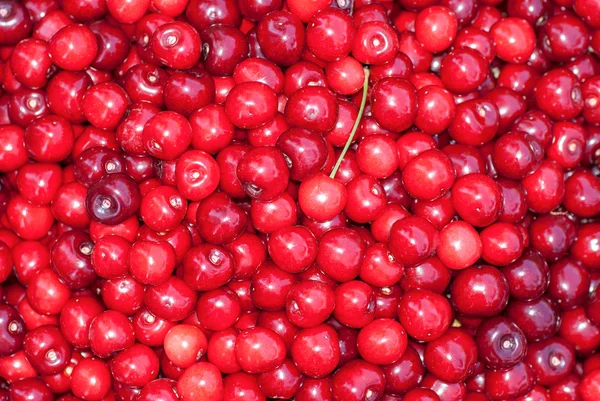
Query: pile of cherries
[242,200]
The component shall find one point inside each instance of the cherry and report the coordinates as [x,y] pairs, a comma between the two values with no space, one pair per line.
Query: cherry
[358,380]
[281,37]
[16,23]
[552,360]
[219,219]
[402,244]
[270,286]
[435,28]
[528,277]
[74,47]
[544,188]
[306,151]
[184,345]
[76,318]
[386,96]
[173,300]
[113,199]
[12,330]
[177,45]
[375,43]
[424,314]
[558,93]
[135,366]
[283,381]
[197,175]
[480,291]
[321,197]
[30,61]
[259,350]
[501,343]
[316,351]
[90,379]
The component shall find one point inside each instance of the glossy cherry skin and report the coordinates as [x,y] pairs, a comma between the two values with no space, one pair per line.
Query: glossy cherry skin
[173,300]
[263,173]
[402,244]
[46,293]
[26,105]
[177,45]
[113,199]
[328,258]
[393,103]
[513,382]
[454,66]
[242,386]
[366,199]
[470,293]
[476,122]
[505,33]
[271,216]
[201,381]
[110,332]
[270,286]
[71,259]
[315,389]
[259,350]
[76,318]
[136,366]
[39,182]
[104,105]
[583,247]
[421,183]
[221,351]
[458,344]
[316,351]
[167,135]
[91,379]
[424,314]
[281,37]
[552,360]
[382,331]
[322,198]
[73,48]
[355,304]
[477,199]
[97,162]
[12,330]
[321,40]
[501,343]
[545,187]
[217,38]
[375,43]
[501,244]
[551,235]
[558,93]
[582,195]
[379,267]
[306,151]
[28,258]
[16,23]
[528,277]
[197,175]
[313,108]
[220,220]
[358,380]
[569,283]
[31,62]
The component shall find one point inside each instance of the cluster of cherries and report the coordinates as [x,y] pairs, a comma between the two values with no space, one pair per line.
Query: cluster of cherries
[242,200]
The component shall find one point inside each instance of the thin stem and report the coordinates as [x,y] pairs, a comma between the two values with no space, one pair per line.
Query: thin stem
[361,110]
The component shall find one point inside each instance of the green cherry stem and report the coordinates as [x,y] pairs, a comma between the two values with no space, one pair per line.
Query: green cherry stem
[361,110]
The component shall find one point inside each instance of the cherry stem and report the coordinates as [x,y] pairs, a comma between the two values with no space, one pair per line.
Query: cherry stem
[361,110]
